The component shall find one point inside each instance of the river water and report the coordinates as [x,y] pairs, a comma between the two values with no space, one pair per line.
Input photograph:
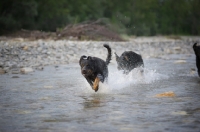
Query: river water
[59,99]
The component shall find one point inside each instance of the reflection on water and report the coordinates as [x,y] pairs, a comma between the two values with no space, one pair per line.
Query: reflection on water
[60,99]
[94,101]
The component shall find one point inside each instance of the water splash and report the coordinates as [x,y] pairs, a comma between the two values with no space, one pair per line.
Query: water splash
[117,81]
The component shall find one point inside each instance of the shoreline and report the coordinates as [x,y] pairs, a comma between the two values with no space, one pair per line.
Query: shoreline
[22,56]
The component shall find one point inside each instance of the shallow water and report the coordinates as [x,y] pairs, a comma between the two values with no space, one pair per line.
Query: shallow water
[60,99]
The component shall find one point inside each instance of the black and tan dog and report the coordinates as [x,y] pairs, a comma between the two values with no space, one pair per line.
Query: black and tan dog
[128,61]
[95,69]
[196,48]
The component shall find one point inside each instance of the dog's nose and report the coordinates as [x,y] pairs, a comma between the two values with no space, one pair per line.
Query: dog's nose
[84,71]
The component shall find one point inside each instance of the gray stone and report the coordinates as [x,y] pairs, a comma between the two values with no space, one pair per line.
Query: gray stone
[58,56]
[15,71]
[39,68]
[1,63]
[180,61]
[2,71]
[14,65]
[15,76]
[44,51]
[8,64]
[6,69]
[48,52]
[39,49]
[26,70]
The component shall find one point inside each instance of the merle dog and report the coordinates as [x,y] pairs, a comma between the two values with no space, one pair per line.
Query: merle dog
[197,53]
[128,61]
[95,69]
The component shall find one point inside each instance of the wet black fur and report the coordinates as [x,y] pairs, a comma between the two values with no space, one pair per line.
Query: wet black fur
[197,53]
[128,61]
[92,67]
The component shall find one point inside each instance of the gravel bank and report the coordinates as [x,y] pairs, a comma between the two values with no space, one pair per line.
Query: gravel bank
[22,56]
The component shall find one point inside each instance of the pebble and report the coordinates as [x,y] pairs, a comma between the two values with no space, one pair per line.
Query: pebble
[25,56]
[26,70]
[25,48]
[15,71]
[179,113]
[6,69]
[40,68]
[180,62]
[15,76]
[177,48]
[166,94]
[2,71]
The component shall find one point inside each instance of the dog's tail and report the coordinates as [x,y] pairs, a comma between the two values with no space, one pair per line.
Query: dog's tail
[109,53]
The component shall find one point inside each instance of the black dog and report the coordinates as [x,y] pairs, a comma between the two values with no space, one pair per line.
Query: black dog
[197,53]
[95,69]
[128,61]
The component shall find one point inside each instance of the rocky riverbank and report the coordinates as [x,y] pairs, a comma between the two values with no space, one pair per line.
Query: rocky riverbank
[22,56]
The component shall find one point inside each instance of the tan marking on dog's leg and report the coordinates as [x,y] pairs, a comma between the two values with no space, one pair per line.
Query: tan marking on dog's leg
[96,84]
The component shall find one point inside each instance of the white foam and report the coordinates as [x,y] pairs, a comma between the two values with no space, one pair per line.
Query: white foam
[117,81]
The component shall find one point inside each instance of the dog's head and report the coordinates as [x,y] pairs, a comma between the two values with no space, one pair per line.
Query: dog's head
[122,62]
[196,48]
[87,67]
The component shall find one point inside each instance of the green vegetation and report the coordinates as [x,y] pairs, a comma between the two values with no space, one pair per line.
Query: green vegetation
[133,17]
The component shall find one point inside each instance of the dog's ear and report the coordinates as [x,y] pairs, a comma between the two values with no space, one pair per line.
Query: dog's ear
[194,46]
[117,57]
[89,58]
[82,58]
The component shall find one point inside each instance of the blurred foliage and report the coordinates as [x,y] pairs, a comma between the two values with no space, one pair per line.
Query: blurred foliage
[134,17]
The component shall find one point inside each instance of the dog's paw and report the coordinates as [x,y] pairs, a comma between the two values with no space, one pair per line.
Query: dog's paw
[96,88]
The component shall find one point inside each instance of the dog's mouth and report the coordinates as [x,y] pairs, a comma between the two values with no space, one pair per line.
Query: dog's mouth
[86,73]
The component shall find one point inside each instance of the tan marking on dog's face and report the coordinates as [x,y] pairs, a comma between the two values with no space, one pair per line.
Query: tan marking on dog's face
[96,84]
[82,65]
[90,72]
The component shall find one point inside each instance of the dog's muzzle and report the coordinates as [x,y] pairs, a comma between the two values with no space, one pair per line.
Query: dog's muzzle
[86,73]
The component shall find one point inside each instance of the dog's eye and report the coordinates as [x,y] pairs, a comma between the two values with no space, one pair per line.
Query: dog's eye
[82,64]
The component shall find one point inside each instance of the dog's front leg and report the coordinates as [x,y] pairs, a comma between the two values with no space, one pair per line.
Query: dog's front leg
[96,82]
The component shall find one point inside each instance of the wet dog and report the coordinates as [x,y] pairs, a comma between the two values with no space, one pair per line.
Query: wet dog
[95,69]
[128,61]
[196,48]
